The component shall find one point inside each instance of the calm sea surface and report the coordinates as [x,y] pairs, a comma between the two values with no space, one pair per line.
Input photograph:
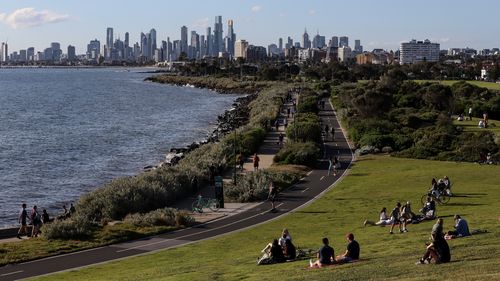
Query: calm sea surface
[64,132]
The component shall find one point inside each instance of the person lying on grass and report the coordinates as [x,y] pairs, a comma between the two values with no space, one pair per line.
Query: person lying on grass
[352,251]
[325,255]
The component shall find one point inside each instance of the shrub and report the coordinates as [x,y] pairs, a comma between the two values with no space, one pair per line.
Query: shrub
[165,216]
[68,229]
[249,187]
[307,104]
[298,153]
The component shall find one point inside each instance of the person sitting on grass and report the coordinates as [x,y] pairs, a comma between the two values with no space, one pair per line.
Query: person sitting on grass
[438,250]
[383,219]
[429,209]
[277,252]
[325,255]
[447,185]
[290,252]
[285,235]
[395,214]
[352,252]
[461,228]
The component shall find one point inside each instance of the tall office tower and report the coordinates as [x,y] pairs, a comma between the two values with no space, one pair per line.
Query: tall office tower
[23,56]
[289,43]
[231,38]
[71,53]
[48,54]
[144,45]
[176,51]
[280,44]
[56,51]
[30,54]
[169,50]
[357,46]
[210,42]
[149,46]
[126,55]
[318,41]
[195,45]
[240,49]
[4,54]
[306,43]
[343,41]
[109,42]
[184,39]
[334,42]
[154,45]
[137,50]
[93,49]
[163,50]
[218,40]
[203,46]
[419,51]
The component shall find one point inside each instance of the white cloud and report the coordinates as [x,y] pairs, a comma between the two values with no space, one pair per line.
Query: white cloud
[312,12]
[29,17]
[201,23]
[256,9]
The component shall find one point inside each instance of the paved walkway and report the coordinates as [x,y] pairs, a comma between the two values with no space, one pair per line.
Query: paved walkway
[288,201]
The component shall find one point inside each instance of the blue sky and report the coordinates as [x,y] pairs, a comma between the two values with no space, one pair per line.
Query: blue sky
[378,24]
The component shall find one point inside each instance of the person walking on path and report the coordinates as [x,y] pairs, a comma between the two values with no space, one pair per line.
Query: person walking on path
[330,165]
[273,191]
[255,160]
[23,217]
[280,139]
[36,220]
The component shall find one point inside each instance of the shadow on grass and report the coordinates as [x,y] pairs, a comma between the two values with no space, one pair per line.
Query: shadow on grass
[312,212]
[465,204]
[470,195]
[359,174]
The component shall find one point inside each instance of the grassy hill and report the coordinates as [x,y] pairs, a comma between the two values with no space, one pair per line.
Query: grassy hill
[489,85]
[374,182]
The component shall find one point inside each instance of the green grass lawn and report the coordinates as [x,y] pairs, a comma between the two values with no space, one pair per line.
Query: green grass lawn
[489,85]
[494,125]
[374,182]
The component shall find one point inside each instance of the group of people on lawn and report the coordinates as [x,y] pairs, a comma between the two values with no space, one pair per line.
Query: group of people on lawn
[282,250]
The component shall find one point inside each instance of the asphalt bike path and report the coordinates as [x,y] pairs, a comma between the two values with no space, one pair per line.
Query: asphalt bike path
[290,200]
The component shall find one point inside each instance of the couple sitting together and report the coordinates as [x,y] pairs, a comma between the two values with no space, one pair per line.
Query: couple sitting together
[326,254]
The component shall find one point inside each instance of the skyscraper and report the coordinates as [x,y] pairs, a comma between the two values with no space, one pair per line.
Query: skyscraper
[357,46]
[30,54]
[218,34]
[109,42]
[306,43]
[153,46]
[334,42]
[126,55]
[194,46]
[280,44]
[210,42]
[71,53]
[4,52]
[240,49]
[231,37]
[343,41]
[184,40]
[93,49]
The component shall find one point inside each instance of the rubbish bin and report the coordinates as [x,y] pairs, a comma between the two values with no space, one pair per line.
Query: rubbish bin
[219,190]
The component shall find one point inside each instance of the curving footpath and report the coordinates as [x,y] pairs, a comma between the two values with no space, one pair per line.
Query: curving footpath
[314,185]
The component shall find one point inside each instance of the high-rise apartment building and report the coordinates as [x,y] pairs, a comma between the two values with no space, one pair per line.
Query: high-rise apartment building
[280,44]
[153,46]
[419,51]
[93,49]
[4,52]
[344,53]
[318,41]
[109,42]
[343,41]
[240,49]
[210,42]
[30,54]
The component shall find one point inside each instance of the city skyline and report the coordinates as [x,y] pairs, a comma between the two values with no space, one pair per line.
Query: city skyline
[32,24]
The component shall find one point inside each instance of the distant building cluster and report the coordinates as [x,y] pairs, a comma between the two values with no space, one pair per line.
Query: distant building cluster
[214,44]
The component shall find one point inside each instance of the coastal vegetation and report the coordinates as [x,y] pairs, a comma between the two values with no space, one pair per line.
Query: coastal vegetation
[373,182]
[415,119]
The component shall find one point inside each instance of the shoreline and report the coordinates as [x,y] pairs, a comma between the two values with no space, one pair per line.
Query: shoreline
[239,111]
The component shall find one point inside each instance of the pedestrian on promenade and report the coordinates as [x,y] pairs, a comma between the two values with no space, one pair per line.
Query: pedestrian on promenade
[45,217]
[255,160]
[273,191]
[36,220]
[23,216]
[285,123]
[280,139]
[72,209]
[330,165]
